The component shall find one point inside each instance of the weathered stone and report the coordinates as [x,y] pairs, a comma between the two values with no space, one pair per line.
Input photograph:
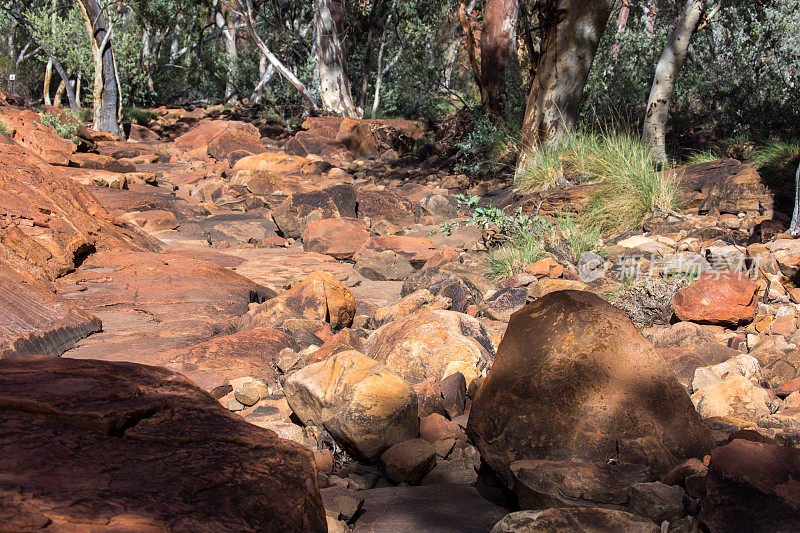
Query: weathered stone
[505,302]
[436,428]
[723,186]
[409,304]
[33,320]
[299,210]
[386,205]
[417,250]
[752,485]
[366,407]
[148,451]
[724,298]
[204,134]
[657,501]
[337,237]
[575,380]
[459,288]
[320,296]
[230,142]
[429,398]
[385,266]
[736,397]
[432,343]
[454,393]
[408,461]
[584,519]
[541,484]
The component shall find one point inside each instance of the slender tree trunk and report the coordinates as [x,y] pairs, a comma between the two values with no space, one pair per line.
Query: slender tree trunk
[498,50]
[794,227]
[667,71]
[571,33]
[48,70]
[246,7]
[78,79]
[333,82]
[382,70]
[106,89]
[266,76]
[225,22]
[622,23]
[59,94]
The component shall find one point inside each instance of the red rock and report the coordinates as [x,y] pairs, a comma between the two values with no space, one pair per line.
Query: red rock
[724,298]
[142,134]
[146,450]
[39,138]
[295,213]
[386,205]
[408,461]
[34,320]
[202,135]
[753,484]
[723,186]
[574,379]
[229,142]
[429,397]
[442,256]
[154,220]
[245,353]
[435,428]
[320,296]
[545,268]
[417,250]
[343,341]
[337,237]
[48,221]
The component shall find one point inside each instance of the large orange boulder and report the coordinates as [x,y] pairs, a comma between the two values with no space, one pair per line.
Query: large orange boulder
[574,380]
[127,447]
[417,250]
[724,298]
[337,237]
[222,146]
[320,296]
[205,133]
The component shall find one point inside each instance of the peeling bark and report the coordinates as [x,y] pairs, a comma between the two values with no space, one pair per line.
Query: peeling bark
[794,227]
[667,71]
[498,50]
[571,32]
[106,108]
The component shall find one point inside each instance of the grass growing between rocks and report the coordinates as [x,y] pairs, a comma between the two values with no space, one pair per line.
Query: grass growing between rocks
[776,160]
[564,238]
[629,186]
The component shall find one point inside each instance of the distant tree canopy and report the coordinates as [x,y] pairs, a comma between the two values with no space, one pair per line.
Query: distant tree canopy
[418,58]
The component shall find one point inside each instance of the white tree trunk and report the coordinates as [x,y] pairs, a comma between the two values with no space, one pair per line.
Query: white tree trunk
[794,227]
[246,7]
[225,22]
[333,82]
[667,71]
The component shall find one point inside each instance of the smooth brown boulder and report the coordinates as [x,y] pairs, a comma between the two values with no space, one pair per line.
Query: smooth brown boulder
[574,380]
[127,447]
[722,298]
[432,344]
[337,237]
[364,405]
[408,461]
[753,486]
[320,296]
[28,130]
[34,320]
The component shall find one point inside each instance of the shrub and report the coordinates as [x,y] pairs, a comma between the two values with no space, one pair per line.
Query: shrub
[697,157]
[135,115]
[489,146]
[63,127]
[629,184]
[4,129]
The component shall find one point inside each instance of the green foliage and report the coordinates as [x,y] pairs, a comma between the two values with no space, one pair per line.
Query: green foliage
[4,129]
[63,127]
[702,156]
[135,115]
[776,160]
[580,237]
[629,186]
[489,146]
[513,257]
[741,76]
